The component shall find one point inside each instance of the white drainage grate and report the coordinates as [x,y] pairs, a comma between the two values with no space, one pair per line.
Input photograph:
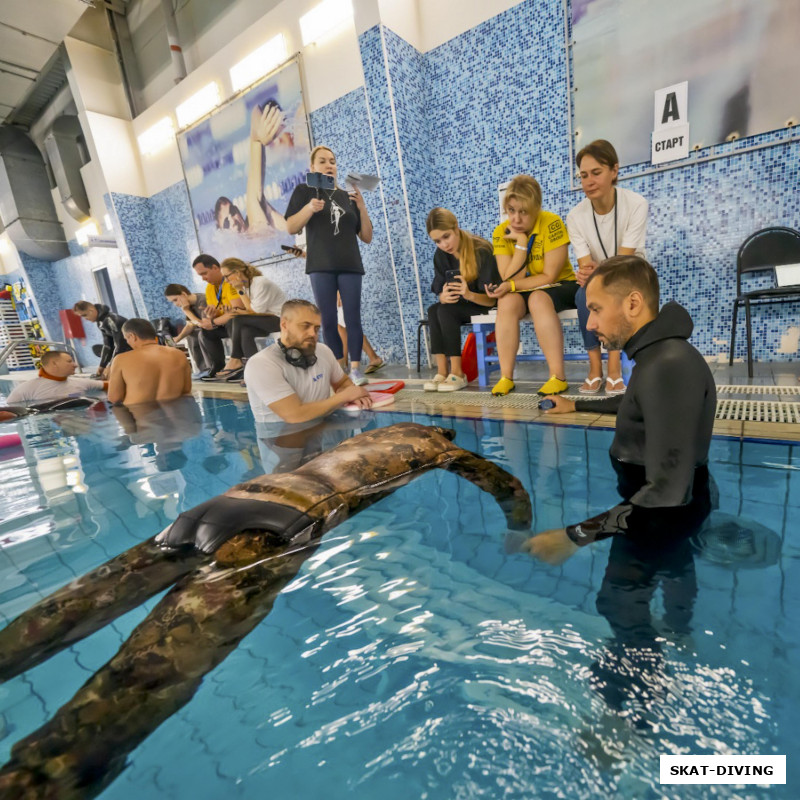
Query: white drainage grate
[758,411]
[740,388]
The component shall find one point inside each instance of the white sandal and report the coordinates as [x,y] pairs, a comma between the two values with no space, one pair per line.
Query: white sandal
[615,386]
[591,383]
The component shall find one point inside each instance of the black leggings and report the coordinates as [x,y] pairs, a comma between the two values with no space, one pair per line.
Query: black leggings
[246,328]
[348,284]
[445,321]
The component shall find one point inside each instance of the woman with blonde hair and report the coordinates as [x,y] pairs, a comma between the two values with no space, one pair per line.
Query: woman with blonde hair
[260,316]
[531,251]
[463,265]
[334,221]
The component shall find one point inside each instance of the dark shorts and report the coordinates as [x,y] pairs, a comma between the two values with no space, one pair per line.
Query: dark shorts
[562,295]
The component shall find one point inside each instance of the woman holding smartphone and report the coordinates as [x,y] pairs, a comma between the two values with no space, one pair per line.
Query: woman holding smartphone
[531,251]
[609,222]
[334,221]
[261,315]
[462,266]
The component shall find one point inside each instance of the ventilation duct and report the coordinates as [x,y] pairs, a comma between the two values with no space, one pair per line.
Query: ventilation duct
[64,147]
[27,210]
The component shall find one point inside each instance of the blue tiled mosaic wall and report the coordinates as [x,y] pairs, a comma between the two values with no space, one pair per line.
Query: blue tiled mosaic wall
[469,115]
[156,233]
[388,154]
[496,110]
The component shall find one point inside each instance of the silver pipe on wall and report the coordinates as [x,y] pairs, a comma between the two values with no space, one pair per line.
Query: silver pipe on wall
[175,49]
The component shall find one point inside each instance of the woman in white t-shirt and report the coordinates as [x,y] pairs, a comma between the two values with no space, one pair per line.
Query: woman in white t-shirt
[610,221]
[261,314]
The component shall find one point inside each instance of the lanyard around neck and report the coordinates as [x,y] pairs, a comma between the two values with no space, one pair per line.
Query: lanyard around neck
[597,230]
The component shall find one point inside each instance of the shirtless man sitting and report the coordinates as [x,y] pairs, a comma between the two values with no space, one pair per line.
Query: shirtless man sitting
[149,372]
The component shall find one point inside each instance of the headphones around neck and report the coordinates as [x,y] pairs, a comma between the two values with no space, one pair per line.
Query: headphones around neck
[296,357]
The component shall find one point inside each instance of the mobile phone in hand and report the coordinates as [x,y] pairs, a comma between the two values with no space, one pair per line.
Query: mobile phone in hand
[318,180]
[452,276]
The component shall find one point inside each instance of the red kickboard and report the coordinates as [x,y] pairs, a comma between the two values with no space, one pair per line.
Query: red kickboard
[379,400]
[10,440]
[386,387]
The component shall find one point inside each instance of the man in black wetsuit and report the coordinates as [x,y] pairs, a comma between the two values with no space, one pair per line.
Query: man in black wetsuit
[664,419]
[110,326]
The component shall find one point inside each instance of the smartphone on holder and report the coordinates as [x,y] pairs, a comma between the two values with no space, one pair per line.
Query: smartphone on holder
[317,180]
[452,275]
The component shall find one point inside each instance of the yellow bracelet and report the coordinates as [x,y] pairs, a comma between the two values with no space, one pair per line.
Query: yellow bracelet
[513,287]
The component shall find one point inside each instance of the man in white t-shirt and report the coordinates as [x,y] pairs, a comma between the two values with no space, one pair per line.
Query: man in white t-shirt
[55,382]
[297,379]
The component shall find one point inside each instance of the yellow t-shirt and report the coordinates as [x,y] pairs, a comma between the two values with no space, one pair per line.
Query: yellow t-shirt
[548,233]
[227,294]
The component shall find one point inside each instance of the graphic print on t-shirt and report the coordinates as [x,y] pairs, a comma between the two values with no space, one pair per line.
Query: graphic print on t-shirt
[337,212]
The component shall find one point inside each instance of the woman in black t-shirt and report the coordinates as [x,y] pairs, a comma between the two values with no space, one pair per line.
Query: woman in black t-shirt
[333,220]
[462,266]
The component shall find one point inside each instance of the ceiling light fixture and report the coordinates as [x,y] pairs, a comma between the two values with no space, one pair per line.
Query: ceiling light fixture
[325,19]
[156,137]
[198,105]
[258,63]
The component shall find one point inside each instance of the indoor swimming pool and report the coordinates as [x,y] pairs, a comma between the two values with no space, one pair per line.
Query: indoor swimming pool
[417,654]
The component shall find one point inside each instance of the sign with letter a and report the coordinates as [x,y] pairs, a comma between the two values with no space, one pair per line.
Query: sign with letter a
[671,124]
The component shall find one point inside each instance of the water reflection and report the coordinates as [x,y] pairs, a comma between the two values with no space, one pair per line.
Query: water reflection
[736,542]
[286,446]
[230,427]
[165,426]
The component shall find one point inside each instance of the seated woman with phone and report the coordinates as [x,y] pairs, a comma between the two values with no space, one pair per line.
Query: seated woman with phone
[462,266]
[260,316]
[531,251]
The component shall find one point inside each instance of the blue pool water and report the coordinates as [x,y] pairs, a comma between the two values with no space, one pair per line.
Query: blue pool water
[413,656]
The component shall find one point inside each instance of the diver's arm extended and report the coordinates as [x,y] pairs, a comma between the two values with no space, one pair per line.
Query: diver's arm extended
[673,400]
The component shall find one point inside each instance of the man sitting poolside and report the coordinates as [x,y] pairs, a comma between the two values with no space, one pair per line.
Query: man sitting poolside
[297,379]
[55,382]
[150,372]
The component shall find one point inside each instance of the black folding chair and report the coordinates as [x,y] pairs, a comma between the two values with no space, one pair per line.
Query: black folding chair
[763,251]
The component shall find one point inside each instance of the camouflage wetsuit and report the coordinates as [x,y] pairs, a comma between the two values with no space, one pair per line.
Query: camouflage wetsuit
[217,600]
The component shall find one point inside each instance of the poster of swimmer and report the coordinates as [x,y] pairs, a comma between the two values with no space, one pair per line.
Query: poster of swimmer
[735,54]
[241,164]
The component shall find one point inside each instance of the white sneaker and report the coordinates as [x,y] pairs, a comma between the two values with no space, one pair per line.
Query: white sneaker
[452,383]
[357,378]
[433,386]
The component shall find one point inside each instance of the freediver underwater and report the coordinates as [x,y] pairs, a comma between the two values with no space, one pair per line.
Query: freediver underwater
[226,560]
